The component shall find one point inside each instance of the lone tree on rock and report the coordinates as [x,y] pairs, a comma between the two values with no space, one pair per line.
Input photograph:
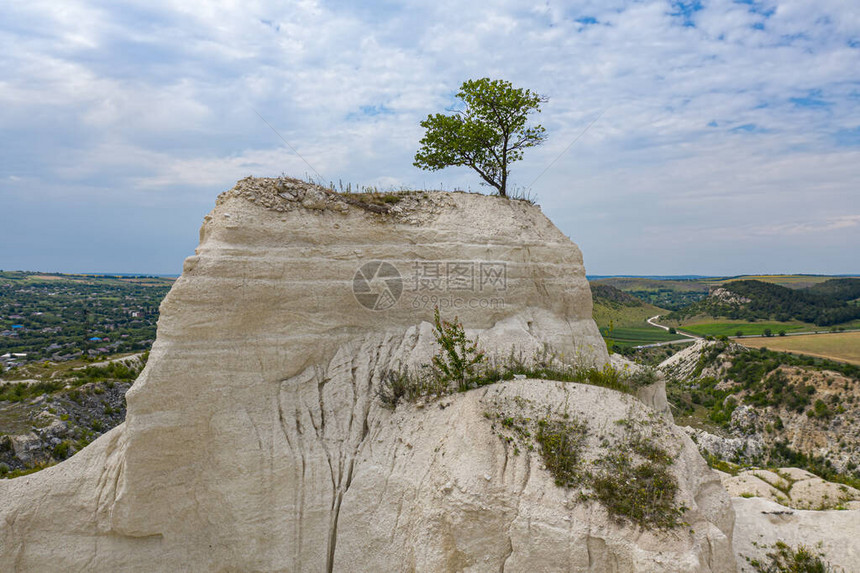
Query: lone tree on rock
[488,135]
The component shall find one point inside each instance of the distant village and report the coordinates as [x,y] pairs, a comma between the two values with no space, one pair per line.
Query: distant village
[63,317]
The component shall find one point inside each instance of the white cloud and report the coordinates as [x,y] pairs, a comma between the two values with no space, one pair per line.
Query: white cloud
[699,129]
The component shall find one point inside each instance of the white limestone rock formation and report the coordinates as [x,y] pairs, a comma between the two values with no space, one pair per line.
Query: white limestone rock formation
[761,523]
[795,507]
[794,488]
[255,441]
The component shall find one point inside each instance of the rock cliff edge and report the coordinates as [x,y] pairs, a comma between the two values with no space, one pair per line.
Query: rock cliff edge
[255,440]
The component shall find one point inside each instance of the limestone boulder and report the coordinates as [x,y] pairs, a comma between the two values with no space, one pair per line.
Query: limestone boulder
[760,523]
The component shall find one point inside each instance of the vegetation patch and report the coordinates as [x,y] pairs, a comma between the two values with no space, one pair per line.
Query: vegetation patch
[50,427]
[458,359]
[743,328]
[642,492]
[667,294]
[20,391]
[459,366]
[561,445]
[408,386]
[722,465]
[783,558]
[782,395]
[625,469]
[758,300]
[371,198]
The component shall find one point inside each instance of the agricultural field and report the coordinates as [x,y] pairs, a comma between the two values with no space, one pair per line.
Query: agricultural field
[621,319]
[841,346]
[725,327]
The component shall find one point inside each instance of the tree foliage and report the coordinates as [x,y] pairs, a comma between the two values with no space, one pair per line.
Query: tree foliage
[458,356]
[823,306]
[487,135]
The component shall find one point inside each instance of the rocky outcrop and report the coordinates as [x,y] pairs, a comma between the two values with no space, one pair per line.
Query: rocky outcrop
[797,408]
[792,487]
[51,428]
[727,448]
[761,523]
[726,296]
[254,439]
[683,363]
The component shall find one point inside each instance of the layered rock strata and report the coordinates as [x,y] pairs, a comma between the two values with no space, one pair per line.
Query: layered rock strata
[254,438]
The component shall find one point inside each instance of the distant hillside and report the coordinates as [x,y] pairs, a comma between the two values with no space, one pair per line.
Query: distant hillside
[790,281]
[621,319]
[822,305]
[840,289]
[610,295]
[667,294]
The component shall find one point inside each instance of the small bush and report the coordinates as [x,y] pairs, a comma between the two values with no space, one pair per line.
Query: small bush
[458,357]
[395,387]
[61,450]
[786,559]
[643,493]
[561,444]
[722,465]
[642,377]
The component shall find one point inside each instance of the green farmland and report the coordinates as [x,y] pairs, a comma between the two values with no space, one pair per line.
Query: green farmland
[732,328]
[622,318]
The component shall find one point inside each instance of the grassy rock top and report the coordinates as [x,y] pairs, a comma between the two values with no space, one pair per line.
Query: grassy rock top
[284,194]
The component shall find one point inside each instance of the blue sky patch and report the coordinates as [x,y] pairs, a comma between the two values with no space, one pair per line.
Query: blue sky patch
[126,120]
[757,7]
[848,137]
[748,128]
[366,111]
[272,25]
[684,10]
[373,110]
[812,100]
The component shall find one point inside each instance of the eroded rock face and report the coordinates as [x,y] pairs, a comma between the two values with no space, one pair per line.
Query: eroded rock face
[762,522]
[254,440]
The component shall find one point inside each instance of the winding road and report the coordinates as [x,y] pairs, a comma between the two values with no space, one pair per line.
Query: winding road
[687,337]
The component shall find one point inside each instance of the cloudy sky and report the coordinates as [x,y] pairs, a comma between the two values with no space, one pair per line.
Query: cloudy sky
[727,138]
